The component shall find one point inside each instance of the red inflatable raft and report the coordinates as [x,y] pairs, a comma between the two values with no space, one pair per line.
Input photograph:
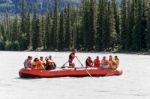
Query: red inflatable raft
[63,72]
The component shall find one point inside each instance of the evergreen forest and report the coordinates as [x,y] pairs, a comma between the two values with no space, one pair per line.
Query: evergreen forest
[94,25]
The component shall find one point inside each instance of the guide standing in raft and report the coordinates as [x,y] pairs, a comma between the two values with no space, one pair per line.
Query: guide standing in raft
[71,57]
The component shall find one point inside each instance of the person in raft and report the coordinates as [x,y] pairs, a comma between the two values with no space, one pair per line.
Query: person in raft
[42,60]
[104,63]
[53,64]
[50,64]
[89,62]
[37,64]
[71,58]
[97,62]
[117,60]
[112,63]
[28,62]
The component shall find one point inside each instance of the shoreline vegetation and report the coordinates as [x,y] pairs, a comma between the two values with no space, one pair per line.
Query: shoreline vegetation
[113,52]
[94,25]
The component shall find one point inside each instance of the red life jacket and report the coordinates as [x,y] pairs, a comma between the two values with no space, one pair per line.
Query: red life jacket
[96,63]
[71,56]
[89,63]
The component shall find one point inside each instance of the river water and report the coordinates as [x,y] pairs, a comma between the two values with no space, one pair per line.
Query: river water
[134,83]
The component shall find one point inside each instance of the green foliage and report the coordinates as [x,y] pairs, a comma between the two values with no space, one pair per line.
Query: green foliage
[104,25]
[15,45]
[101,24]
[115,8]
[48,31]
[35,31]
[55,26]
[92,27]
[68,34]
[24,26]
[2,45]
[8,45]
[22,41]
[61,42]
[123,25]
[147,13]
[42,42]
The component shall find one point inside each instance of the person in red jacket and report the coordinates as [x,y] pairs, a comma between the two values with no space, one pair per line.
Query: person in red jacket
[97,62]
[89,62]
[71,58]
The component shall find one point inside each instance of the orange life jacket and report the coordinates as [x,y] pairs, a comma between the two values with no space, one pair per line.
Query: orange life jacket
[105,62]
[113,64]
[38,65]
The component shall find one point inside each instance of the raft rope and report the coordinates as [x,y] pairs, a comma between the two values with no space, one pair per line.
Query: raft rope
[83,66]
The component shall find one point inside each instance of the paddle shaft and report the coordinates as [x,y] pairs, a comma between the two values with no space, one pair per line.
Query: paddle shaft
[83,66]
[64,64]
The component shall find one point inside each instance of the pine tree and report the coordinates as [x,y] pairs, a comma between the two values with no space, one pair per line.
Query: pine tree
[7,31]
[143,25]
[126,26]
[2,37]
[23,17]
[75,26]
[130,23]
[116,21]
[48,31]
[80,33]
[42,42]
[86,24]
[107,33]
[77,33]
[23,37]
[68,34]
[61,42]
[147,12]
[15,29]
[35,31]
[113,33]
[100,24]
[89,23]
[27,30]
[92,27]
[123,25]
[137,30]
[55,26]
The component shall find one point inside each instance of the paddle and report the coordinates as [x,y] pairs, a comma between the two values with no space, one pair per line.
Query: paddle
[83,66]
[63,66]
